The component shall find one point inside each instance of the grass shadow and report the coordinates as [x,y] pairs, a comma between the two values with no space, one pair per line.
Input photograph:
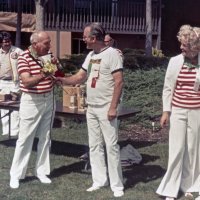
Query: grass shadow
[137,173]
[75,167]
[142,174]
[57,147]
[57,172]
[9,142]
[68,149]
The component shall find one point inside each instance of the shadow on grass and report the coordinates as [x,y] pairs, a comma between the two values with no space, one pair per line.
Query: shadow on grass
[57,172]
[57,147]
[8,142]
[142,174]
[67,169]
[73,149]
[68,149]
[133,175]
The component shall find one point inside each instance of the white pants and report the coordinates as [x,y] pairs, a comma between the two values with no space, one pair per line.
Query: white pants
[6,87]
[183,171]
[36,117]
[100,129]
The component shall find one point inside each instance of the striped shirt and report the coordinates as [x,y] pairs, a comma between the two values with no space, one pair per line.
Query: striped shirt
[26,63]
[184,94]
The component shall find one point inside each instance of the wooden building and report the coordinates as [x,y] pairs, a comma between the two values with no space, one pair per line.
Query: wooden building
[65,19]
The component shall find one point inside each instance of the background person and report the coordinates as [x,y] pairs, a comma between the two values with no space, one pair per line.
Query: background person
[9,80]
[181,105]
[37,108]
[103,70]
[109,41]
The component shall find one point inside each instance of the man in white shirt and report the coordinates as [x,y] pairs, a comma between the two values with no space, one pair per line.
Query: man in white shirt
[103,68]
[9,81]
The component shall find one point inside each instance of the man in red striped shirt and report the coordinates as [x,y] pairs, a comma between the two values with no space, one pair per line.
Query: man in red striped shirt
[36,110]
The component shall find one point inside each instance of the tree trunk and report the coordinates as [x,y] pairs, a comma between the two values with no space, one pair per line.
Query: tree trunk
[39,5]
[19,22]
[148,45]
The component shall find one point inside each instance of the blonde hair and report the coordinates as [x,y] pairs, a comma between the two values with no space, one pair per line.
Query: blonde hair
[190,35]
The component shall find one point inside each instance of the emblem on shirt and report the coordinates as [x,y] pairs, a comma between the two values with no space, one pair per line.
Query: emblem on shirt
[14,55]
[93,69]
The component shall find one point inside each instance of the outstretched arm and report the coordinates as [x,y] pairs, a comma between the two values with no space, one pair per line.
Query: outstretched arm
[77,78]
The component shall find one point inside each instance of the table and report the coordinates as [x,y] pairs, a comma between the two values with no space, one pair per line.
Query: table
[123,113]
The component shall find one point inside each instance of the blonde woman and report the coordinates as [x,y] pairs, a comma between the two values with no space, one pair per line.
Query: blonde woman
[181,106]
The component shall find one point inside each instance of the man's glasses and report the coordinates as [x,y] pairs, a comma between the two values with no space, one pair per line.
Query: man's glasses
[86,37]
[108,40]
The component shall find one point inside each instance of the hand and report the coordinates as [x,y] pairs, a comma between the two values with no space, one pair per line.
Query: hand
[59,80]
[164,120]
[112,114]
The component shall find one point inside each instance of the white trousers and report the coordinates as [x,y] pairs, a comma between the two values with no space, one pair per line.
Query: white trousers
[101,130]
[36,118]
[183,171]
[6,87]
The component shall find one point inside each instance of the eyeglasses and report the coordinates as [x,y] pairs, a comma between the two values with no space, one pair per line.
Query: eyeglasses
[108,40]
[86,37]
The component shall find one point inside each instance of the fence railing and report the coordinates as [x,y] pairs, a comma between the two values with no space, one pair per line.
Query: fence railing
[117,16]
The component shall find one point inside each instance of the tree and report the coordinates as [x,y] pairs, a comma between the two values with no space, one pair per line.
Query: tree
[19,22]
[148,45]
[39,6]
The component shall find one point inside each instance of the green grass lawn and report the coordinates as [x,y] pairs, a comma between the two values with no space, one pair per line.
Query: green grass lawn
[70,180]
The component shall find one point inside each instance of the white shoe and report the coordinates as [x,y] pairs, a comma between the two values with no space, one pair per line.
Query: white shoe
[93,188]
[44,179]
[14,183]
[169,198]
[189,195]
[119,193]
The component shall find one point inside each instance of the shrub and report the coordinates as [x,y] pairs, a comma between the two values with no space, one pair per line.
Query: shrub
[143,90]
[136,59]
[72,63]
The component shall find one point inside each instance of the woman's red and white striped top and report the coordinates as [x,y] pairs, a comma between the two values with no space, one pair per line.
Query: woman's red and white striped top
[26,63]
[184,94]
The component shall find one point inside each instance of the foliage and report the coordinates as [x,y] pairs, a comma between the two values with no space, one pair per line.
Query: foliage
[135,59]
[157,53]
[143,90]
[72,63]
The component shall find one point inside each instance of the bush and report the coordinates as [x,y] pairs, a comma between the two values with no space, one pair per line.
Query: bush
[143,90]
[72,63]
[136,59]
